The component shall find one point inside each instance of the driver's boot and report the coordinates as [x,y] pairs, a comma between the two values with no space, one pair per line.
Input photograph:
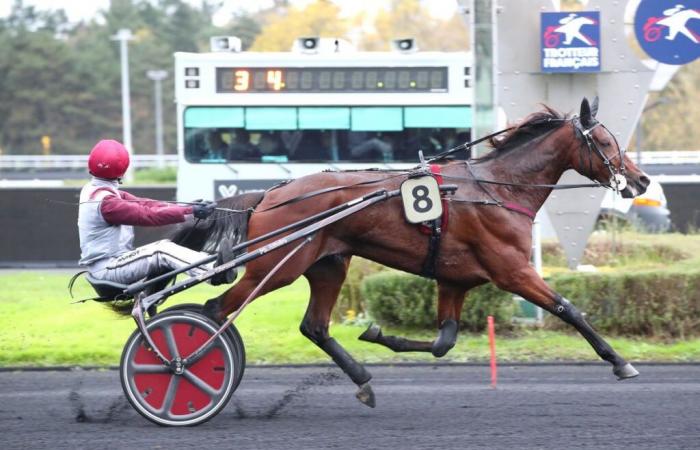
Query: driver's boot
[225,255]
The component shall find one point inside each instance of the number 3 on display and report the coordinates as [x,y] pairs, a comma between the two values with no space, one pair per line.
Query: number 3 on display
[421,199]
[242,80]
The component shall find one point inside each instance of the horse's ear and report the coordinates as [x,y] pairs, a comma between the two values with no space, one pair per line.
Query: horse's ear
[585,113]
[594,107]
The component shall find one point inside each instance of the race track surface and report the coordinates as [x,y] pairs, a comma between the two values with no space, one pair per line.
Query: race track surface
[418,407]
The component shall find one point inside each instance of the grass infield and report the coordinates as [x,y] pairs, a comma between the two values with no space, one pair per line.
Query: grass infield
[39,327]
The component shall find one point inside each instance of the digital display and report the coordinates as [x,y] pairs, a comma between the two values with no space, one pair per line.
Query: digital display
[331,79]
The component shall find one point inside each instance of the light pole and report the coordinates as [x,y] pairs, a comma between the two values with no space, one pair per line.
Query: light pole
[124,36]
[158,76]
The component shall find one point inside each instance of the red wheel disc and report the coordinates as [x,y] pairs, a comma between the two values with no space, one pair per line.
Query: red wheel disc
[168,398]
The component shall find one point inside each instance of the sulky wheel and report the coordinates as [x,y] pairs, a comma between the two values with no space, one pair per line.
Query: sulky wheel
[191,397]
[231,332]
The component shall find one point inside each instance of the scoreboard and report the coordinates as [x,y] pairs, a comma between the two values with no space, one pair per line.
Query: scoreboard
[337,79]
[331,79]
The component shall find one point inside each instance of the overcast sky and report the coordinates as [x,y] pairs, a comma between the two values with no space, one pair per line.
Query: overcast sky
[85,10]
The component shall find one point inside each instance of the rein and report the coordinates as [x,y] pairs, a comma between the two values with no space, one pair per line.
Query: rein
[467,145]
[218,208]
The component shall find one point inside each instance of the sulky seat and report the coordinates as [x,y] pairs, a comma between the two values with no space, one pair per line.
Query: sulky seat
[107,290]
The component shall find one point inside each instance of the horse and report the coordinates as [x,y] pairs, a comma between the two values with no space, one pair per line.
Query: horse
[488,237]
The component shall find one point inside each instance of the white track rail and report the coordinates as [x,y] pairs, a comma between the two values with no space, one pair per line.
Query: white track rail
[59,162]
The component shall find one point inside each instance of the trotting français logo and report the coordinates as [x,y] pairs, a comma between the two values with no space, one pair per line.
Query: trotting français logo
[571,41]
[669,32]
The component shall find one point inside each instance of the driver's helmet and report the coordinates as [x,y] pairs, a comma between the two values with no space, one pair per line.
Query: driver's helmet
[108,159]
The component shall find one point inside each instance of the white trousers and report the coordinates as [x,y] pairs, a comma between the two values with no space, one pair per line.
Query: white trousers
[150,261]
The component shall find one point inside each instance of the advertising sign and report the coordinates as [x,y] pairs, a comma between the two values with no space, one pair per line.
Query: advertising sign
[669,32]
[570,41]
[229,188]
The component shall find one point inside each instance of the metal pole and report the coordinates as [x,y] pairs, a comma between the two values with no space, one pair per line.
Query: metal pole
[124,36]
[158,76]
[159,125]
[483,41]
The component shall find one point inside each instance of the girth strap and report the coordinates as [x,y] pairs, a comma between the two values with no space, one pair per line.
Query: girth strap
[434,228]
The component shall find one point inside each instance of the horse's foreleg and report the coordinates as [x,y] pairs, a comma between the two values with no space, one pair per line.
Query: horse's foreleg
[326,277]
[450,301]
[528,284]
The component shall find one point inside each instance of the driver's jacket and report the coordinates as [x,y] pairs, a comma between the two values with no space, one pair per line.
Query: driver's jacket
[106,217]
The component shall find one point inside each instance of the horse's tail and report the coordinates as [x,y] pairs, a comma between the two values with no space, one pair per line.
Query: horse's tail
[121,307]
[205,235]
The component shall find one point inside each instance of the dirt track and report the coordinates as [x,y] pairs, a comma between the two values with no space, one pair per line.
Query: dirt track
[441,407]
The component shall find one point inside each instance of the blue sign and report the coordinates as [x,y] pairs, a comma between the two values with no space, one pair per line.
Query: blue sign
[571,41]
[669,32]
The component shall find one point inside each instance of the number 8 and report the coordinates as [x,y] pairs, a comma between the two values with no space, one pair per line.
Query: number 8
[420,194]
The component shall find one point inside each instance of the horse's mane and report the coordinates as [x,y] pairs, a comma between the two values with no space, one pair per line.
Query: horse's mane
[533,126]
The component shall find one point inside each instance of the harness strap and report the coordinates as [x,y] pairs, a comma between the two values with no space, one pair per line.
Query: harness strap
[511,206]
[325,191]
[434,228]
[519,209]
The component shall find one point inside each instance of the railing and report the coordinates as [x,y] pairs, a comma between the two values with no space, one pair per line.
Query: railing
[57,162]
[667,157]
[60,162]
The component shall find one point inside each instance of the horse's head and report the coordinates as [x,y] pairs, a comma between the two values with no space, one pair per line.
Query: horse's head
[601,158]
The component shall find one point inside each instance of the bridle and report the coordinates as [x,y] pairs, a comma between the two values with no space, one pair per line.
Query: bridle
[618,181]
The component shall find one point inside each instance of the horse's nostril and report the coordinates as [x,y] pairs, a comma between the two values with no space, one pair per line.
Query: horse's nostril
[644,180]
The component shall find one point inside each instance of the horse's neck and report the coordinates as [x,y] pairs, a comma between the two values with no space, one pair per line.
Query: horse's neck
[540,163]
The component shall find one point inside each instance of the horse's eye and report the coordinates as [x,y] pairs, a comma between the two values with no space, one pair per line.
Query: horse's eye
[605,143]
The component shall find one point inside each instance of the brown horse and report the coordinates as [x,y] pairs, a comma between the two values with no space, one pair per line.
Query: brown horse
[488,242]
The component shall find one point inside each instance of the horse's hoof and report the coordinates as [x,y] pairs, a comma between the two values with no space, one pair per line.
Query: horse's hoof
[626,371]
[371,333]
[365,395]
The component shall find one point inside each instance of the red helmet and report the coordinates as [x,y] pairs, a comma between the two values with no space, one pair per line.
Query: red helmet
[108,159]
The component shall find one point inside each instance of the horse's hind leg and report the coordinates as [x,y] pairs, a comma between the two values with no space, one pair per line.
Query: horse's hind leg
[450,301]
[528,284]
[326,277]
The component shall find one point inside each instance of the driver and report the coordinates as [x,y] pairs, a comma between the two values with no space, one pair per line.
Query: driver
[105,224]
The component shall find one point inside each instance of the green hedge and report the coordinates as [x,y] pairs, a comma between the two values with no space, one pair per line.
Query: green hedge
[665,303]
[350,301]
[659,304]
[398,298]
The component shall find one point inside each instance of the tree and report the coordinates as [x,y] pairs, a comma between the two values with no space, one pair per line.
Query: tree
[673,125]
[571,5]
[245,27]
[321,18]
[36,91]
[67,81]
[412,19]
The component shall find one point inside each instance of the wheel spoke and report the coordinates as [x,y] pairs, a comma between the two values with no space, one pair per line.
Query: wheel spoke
[149,368]
[170,394]
[201,384]
[170,339]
